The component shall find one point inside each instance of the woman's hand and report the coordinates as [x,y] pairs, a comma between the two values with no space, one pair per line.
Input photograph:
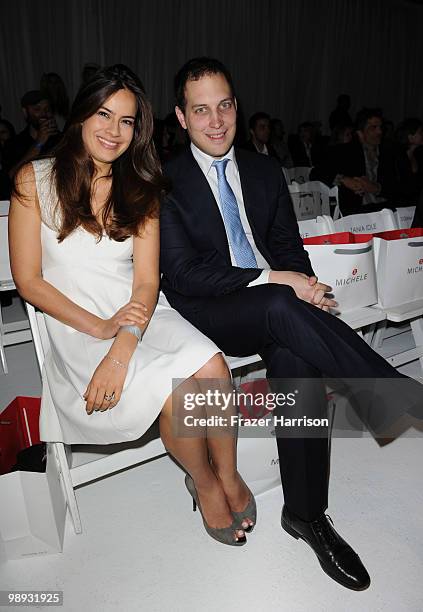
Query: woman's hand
[105,387]
[133,313]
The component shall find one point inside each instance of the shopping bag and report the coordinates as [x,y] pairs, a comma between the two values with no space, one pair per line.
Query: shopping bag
[33,507]
[399,266]
[367,223]
[405,216]
[320,226]
[18,429]
[258,459]
[345,262]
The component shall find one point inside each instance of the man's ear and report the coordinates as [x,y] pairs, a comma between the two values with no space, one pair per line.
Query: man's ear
[25,113]
[181,117]
[360,135]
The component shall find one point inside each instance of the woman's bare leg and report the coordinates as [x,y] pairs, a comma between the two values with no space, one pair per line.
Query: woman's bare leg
[192,454]
[222,444]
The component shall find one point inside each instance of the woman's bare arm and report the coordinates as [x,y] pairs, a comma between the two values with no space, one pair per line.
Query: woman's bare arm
[145,285]
[25,260]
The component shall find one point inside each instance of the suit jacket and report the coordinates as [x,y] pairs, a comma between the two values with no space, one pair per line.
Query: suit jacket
[195,258]
[299,154]
[249,146]
[348,159]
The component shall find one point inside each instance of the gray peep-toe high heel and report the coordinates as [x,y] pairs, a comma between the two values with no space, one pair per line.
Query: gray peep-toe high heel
[225,535]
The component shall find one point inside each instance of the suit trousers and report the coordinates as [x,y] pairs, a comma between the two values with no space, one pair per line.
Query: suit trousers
[296,340]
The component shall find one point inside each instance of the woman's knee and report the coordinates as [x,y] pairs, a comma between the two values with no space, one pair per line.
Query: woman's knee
[215,367]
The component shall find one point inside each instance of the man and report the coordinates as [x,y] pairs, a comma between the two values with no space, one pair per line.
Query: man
[277,140]
[38,138]
[364,170]
[259,128]
[305,148]
[233,264]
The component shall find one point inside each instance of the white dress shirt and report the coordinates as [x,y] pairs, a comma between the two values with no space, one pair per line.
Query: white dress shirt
[232,175]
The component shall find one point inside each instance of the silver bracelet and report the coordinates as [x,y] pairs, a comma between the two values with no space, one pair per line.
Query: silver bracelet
[117,362]
[133,329]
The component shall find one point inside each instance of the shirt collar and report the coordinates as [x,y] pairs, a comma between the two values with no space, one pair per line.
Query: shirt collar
[205,161]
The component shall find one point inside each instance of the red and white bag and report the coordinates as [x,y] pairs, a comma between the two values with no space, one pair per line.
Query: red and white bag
[399,266]
[345,262]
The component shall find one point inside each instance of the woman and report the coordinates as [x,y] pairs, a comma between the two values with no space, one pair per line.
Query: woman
[89,259]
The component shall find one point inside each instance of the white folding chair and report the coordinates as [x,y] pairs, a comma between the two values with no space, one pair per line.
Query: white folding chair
[132,454]
[298,174]
[312,199]
[17,331]
[410,313]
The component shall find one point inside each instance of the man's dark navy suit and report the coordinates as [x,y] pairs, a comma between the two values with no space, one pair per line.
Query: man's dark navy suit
[294,338]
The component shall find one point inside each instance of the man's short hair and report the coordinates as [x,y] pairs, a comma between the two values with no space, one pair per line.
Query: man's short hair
[32,97]
[193,70]
[252,122]
[364,115]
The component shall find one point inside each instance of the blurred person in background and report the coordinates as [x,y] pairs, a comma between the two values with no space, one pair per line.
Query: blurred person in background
[53,87]
[408,163]
[38,138]
[277,133]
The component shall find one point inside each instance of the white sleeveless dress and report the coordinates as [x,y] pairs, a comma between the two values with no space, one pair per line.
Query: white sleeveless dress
[98,277]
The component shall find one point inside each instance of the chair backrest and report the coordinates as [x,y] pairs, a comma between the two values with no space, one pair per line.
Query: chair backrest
[5,272]
[39,333]
[299,174]
[4,208]
[320,226]
[368,223]
[312,199]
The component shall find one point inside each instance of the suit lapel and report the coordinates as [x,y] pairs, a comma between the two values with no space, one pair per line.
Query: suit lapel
[205,213]
[254,196]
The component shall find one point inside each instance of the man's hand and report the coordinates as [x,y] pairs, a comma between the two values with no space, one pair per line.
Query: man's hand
[307,288]
[367,186]
[352,183]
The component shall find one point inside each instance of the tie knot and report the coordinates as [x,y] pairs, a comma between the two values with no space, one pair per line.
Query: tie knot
[220,165]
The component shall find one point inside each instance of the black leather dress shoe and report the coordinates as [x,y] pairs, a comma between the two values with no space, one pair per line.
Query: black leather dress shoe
[336,557]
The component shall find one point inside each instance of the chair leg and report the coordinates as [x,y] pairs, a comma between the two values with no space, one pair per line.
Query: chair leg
[2,349]
[368,333]
[377,339]
[68,486]
[417,331]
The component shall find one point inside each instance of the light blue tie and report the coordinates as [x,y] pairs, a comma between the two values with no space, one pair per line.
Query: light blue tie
[241,248]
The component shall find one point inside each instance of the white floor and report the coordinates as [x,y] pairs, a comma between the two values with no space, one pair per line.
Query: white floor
[143,549]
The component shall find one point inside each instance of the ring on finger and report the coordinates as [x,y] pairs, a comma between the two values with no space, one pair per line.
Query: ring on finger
[109,398]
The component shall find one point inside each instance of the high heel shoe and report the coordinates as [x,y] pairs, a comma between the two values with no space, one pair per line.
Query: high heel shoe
[225,535]
[249,512]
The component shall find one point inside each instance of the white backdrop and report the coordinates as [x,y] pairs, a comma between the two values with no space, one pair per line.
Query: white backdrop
[288,57]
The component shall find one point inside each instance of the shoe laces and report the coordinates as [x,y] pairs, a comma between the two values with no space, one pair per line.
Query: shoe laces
[324,529]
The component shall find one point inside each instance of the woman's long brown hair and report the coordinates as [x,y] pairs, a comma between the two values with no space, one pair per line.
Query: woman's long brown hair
[137,182]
